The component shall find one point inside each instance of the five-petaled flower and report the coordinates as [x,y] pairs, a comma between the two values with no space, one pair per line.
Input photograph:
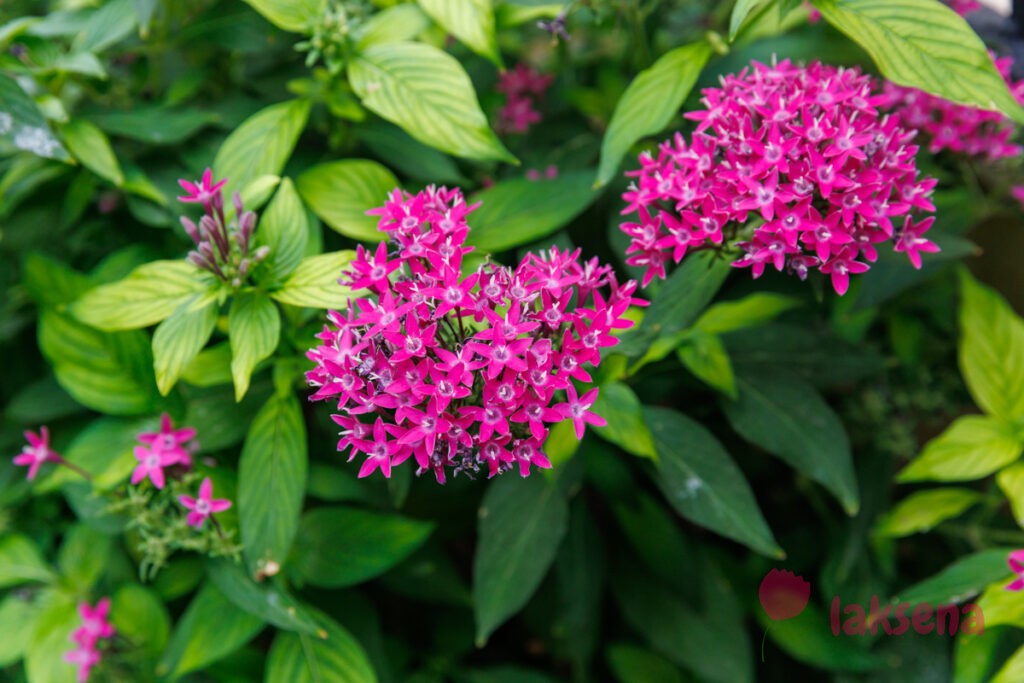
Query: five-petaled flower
[201,508]
[170,441]
[1016,562]
[36,452]
[201,191]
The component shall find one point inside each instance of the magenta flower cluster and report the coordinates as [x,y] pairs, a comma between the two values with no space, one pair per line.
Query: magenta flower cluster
[160,450]
[524,88]
[957,128]
[88,637]
[461,372]
[795,163]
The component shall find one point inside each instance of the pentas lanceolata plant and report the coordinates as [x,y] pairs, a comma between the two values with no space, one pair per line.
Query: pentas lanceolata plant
[223,247]
[90,638]
[795,166]
[957,128]
[462,371]
[524,88]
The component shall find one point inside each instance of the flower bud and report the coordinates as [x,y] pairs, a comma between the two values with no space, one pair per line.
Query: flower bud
[236,199]
[261,253]
[191,229]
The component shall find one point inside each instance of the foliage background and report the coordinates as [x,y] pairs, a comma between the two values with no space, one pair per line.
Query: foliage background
[639,558]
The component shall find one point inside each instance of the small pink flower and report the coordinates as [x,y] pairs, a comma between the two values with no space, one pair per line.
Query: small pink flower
[1017,192]
[170,441]
[964,7]
[201,191]
[1016,562]
[578,410]
[36,452]
[85,658]
[95,627]
[203,506]
[151,464]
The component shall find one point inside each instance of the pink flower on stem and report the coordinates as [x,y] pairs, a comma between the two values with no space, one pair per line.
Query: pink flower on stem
[95,627]
[912,244]
[151,464]
[1016,562]
[37,452]
[170,441]
[201,191]
[578,410]
[204,506]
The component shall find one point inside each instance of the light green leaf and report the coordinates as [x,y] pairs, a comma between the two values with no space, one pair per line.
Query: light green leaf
[974,446]
[297,16]
[212,367]
[315,282]
[17,620]
[520,211]
[23,125]
[1012,670]
[180,338]
[21,562]
[705,356]
[343,546]
[703,484]
[149,294]
[255,326]
[750,311]
[140,617]
[788,418]
[264,600]
[923,510]
[392,25]
[283,227]
[271,482]
[991,350]
[336,658]
[1000,606]
[521,524]
[471,21]
[960,581]
[91,147]
[740,11]
[341,192]
[426,92]
[924,44]
[51,633]
[650,102]
[261,145]
[109,372]
[211,629]
[620,407]
[1011,481]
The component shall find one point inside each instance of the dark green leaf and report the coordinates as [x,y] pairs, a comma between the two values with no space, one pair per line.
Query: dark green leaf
[264,600]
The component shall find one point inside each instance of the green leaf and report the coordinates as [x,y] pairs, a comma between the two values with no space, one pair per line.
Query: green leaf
[17,620]
[23,125]
[405,154]
[632,664]
[104,449]
[392,25]
[149,294]
[520,211]
[471,21]
[51,282]
[788,418]
[108,372]
[1011,481]
[740,11]
[960,581]
[620,407]
[51,633]
[1012,670]
[83,555]
[974,446]
[271,482]
[91,147]
[21,562]
[341,192]
[210,629]
[153,124]
[263,600]
[975,656]
[750,311]
[1000,606]
[427,93]
[650,102]
[991,350]
[336,658]
[140,617]
[924,44]
[521,524]
[297,16]
[107,24]
[807,638]
[261,145]
[705,356]
[315,282]
[283,227]
[255,326]
[343,546]
[180,338]
[923,510]
[212,367]
[703,484]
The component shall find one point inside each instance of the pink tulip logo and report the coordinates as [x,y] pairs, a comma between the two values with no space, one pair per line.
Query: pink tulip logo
[783,595]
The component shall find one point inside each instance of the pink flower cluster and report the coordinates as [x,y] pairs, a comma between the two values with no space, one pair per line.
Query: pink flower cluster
[461,371]
[95,628]
[162,449]
[955,127]
[523,88]
[796,162]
